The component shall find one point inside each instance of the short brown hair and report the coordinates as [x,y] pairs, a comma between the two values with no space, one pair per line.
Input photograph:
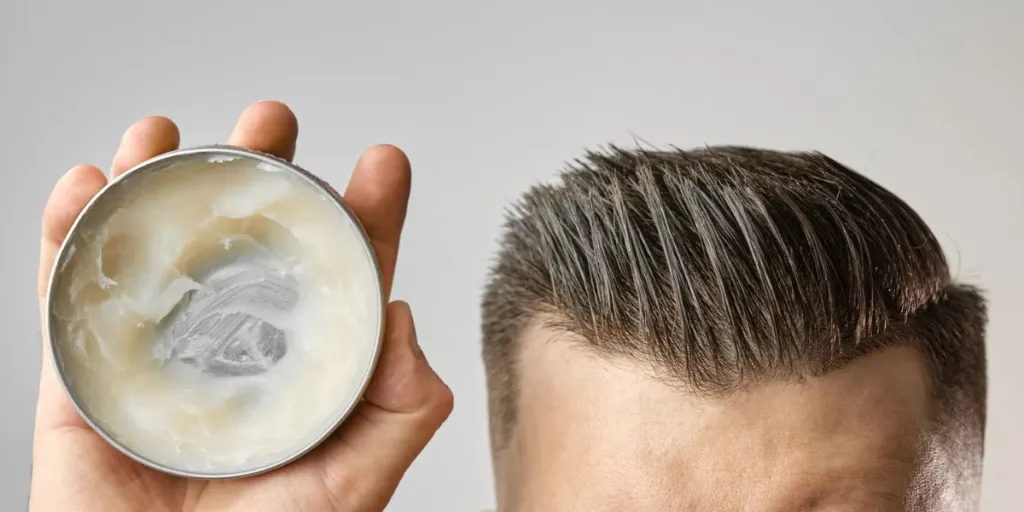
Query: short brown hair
[727,266]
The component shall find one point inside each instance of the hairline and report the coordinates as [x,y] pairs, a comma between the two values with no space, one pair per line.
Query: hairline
[507,310]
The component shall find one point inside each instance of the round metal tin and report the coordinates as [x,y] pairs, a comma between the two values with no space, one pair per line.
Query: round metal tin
[157,164]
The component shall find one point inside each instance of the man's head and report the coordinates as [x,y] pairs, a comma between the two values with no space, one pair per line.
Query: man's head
[729,329]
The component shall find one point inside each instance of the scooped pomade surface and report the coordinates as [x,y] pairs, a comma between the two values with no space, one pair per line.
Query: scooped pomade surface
[215,315]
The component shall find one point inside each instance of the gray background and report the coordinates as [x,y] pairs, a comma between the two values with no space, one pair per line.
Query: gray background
[926,97]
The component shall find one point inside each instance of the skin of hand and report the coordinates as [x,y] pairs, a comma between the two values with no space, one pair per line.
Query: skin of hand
[356,469]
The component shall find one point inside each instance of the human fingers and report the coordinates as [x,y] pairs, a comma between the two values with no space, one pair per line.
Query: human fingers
[378,193]
[268,127]
[143,140]
[69,196]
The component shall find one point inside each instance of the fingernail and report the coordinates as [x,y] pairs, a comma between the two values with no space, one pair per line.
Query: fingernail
[414,343]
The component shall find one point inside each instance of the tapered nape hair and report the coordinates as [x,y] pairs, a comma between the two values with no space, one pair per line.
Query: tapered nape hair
[724,267]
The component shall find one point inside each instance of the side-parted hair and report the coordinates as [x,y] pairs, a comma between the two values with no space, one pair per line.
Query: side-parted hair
[725,267]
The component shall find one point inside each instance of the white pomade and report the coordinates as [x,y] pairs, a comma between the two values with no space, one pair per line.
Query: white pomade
[217,314]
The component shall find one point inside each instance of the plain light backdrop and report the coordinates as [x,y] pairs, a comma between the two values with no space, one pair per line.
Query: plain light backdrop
[926,97]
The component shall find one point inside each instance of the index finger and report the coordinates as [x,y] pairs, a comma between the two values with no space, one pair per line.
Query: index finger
[378,194]
[67,200]
[69,196]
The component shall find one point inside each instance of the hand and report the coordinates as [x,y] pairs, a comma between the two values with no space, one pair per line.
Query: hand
[356,469]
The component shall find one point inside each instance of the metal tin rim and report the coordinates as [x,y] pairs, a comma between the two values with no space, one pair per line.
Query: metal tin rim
[344,413]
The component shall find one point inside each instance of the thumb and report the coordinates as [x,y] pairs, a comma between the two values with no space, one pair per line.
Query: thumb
[404,405]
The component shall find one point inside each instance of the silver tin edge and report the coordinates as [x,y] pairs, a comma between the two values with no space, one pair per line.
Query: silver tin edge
[242,153]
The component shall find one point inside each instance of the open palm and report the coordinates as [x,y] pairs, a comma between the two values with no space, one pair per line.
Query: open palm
[356,469]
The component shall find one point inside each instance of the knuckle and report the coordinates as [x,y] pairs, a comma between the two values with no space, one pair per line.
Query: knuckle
[442,401]
[341,489]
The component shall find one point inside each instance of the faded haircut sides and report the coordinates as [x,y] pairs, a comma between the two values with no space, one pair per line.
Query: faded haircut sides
[724,267]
